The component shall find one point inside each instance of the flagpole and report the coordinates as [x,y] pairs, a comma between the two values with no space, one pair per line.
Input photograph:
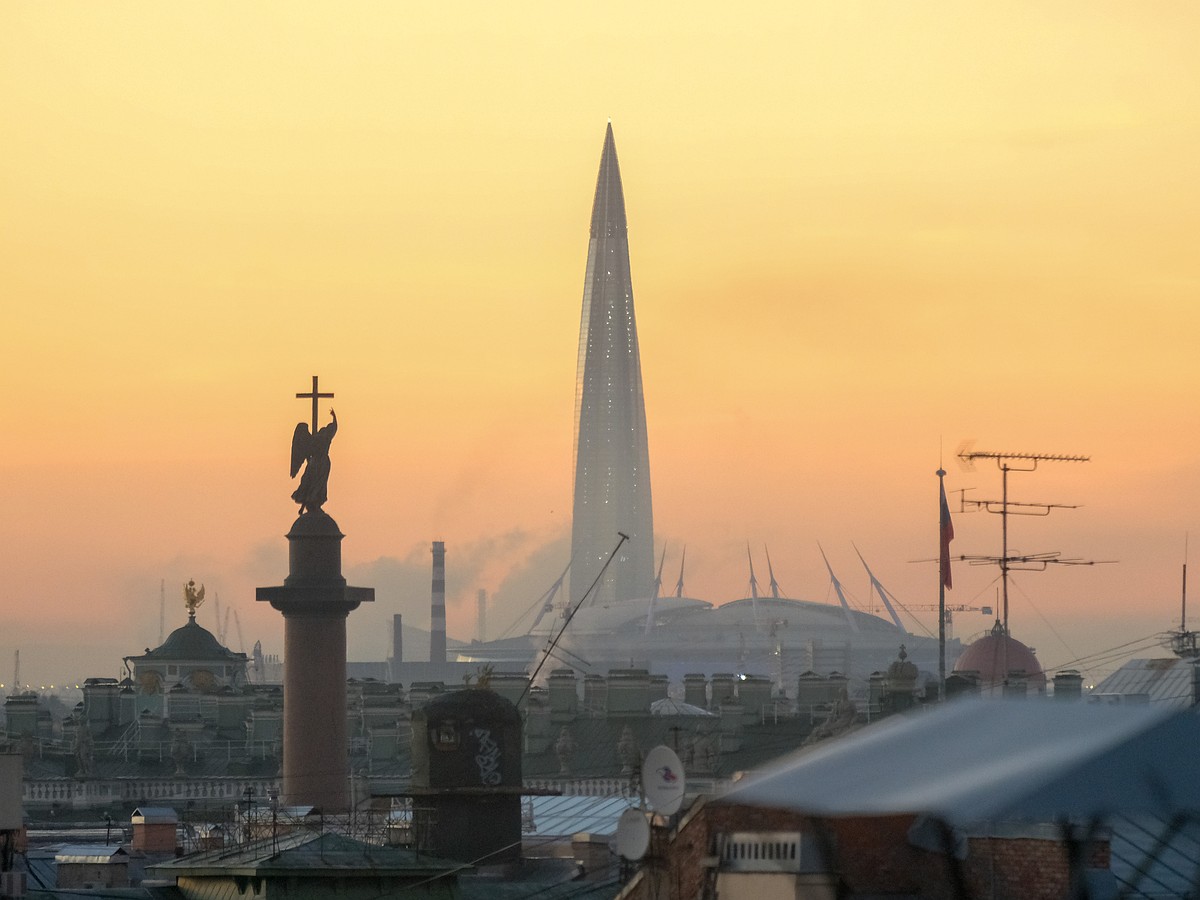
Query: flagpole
[943,565]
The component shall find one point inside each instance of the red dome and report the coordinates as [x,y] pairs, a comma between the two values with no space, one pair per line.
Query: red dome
[996,654]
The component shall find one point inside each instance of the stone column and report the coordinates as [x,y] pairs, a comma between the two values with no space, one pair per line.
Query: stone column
[315,601]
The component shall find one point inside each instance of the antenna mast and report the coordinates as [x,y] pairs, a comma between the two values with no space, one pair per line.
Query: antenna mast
[1037,562]
[1183,642]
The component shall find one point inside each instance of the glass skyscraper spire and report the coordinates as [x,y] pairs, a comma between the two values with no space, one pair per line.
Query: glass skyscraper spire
[612,459]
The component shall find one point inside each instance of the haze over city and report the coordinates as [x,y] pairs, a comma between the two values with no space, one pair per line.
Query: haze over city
[860,235]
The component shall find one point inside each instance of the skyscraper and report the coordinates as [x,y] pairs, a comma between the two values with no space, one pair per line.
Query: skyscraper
[612,459]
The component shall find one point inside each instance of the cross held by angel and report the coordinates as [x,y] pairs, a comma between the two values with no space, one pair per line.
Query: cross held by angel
[311,450]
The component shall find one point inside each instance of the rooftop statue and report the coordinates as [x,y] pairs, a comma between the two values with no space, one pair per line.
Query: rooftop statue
[192,598]
[312,451]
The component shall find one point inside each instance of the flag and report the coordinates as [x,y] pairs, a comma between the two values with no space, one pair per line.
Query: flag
[947,535]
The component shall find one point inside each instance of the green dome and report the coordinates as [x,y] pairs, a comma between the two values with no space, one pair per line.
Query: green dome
[192,642]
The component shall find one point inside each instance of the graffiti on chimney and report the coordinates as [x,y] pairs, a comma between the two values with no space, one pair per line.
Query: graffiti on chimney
[488,757]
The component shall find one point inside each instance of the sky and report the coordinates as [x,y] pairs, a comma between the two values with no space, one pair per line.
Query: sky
[861,234]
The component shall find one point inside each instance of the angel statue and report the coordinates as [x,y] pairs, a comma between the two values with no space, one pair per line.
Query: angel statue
[312,449]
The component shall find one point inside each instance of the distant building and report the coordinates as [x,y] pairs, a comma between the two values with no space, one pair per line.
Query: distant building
[96,866]
[190,657]
[674,636]
[612,458]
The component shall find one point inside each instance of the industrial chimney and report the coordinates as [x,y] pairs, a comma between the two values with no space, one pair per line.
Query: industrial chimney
[437,611]
[397,656]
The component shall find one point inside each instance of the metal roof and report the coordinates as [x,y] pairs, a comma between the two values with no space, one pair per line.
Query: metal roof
[307,854]
[669,707]
[89,853]
[1154,857]
[154,815]
[562,816]
[971,761]
[1163,681]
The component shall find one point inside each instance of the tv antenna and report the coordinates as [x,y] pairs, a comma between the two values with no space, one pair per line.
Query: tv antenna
[1183,642]
[1035,562]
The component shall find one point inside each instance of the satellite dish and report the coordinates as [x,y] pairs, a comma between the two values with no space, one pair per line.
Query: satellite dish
[663,780]
[633,834]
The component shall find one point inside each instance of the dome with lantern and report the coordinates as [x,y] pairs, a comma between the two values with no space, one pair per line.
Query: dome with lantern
[998,658]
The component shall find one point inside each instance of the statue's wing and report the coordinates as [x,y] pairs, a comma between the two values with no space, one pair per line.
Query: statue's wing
[301,443]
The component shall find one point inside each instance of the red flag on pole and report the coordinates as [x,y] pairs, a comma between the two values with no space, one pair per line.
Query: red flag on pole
[947,532]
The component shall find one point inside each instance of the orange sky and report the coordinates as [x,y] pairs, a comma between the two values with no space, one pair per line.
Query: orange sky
[859,231]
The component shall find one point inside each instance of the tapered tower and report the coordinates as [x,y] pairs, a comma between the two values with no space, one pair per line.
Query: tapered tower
[612,459]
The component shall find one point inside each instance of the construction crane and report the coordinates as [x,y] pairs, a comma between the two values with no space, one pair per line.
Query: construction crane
[238,623]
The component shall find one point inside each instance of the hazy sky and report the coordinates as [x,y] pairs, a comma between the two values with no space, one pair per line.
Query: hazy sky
[860,232]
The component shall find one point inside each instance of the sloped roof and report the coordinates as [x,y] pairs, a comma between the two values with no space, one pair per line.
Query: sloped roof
[668,707]
[310,855]
[154,815]
[1147,868]
[543,878]
[1163,681]
[562,816]
[90,853]
[979,760]
[191,642]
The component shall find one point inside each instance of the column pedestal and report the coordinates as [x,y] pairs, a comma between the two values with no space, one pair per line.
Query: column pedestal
[315,601]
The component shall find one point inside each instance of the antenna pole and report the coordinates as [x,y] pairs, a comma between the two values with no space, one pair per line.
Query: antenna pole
[1004,545]
[943,565]
[1028,462]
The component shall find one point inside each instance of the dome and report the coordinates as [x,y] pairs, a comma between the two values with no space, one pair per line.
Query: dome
[996,654]
[192,642]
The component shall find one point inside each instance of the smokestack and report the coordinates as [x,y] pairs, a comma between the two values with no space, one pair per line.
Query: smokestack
[481,614]
[437,612]
[397,639]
